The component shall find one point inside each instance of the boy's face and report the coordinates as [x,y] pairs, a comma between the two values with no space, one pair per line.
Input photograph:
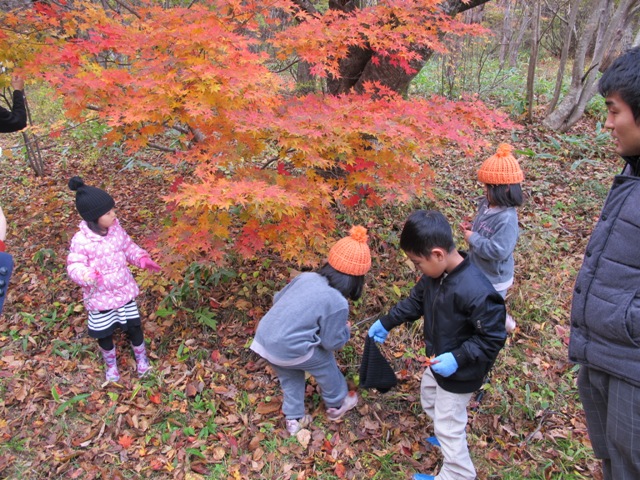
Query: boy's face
[433,267]
[624,129]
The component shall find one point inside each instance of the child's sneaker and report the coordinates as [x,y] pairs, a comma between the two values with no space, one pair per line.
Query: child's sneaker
[510,324]
[294,426]
[349,402]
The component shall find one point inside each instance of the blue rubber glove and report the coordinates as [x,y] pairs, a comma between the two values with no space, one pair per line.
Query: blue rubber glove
[378,332]
[445,364]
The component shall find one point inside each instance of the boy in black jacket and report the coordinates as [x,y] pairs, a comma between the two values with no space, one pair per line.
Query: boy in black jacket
[463,328]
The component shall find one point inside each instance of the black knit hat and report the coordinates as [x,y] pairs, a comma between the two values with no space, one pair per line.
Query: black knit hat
[91,202]
[375,371]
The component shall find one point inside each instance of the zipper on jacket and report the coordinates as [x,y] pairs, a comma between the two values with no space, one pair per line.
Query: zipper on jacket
[433,309]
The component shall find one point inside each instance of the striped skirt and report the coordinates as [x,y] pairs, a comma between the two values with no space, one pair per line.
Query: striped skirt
[105,322]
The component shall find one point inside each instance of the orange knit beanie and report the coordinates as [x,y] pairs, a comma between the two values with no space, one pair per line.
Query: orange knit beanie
[501,168]
[351,254]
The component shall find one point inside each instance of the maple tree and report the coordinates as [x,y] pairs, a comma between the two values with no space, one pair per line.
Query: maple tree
[201,83]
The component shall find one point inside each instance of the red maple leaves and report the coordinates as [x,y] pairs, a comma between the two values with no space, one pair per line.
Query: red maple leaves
[269,165]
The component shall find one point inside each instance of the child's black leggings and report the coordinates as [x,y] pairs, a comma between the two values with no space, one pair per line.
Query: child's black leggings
[136,337]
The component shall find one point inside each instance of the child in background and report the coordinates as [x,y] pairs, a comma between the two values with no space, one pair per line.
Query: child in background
[98,261]
[6,261]
[493,235]
[307,323]
[463,330]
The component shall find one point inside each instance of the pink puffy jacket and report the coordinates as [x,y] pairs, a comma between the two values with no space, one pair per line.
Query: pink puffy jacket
[110,255]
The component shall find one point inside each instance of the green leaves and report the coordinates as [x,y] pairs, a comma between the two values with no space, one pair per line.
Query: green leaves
[68,403]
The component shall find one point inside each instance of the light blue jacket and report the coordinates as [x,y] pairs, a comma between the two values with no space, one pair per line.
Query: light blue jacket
[306,314]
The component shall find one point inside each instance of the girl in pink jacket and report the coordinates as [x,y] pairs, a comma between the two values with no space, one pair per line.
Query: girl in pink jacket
[98,261]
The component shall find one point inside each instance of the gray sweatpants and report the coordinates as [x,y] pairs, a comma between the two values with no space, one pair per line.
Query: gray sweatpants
[322,365]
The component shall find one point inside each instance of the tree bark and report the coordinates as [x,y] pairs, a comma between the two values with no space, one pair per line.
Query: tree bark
[574,6]
[358,68]
[607,24]
[507,31]
[516,41]
[533,59]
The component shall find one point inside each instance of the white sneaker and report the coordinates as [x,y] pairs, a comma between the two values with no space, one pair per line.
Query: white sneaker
[349,402]
[294,426]
[510,324]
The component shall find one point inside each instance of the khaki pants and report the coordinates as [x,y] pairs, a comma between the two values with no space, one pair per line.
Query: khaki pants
[449,414]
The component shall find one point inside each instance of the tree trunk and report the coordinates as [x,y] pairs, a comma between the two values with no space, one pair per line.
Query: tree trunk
[533,59]
[507,30]
[305,82]
[564,54]
[516,41]
[358,68]
[608,27]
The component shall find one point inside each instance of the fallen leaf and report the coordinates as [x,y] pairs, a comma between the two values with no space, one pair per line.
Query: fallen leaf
[267,407]
[192,391]
[125,441]
[304,437]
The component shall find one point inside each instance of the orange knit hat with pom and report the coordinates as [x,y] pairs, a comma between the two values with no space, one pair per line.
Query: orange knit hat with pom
[351,254]
[501,168]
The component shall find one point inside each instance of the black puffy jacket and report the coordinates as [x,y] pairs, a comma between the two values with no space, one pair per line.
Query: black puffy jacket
[464,315]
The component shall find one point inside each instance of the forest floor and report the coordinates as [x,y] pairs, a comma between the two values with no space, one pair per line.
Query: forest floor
[211,408]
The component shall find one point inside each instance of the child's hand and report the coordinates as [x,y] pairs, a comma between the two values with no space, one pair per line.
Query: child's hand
[148,264]
[466,230]
[17,83]
[445,364]
[94,278]
[378,332]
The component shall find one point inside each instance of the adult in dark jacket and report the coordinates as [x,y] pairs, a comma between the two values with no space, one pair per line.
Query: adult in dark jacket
[10,121]
[16,118]
[463,329]
[605,314]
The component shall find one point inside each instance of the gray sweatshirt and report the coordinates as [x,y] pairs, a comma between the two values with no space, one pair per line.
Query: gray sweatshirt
[495,233]
[306,314]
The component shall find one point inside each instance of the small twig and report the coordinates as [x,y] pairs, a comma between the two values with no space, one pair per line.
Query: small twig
[128,8]
[185,375]
[545,415]
[284,69]
[155,146]
[368,319]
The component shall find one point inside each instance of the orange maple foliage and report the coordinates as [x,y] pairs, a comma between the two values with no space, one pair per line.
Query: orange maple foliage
[269,166]
[125,441]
